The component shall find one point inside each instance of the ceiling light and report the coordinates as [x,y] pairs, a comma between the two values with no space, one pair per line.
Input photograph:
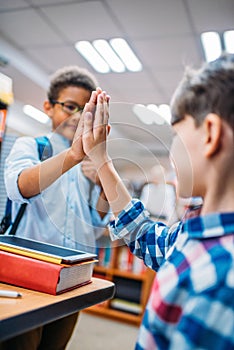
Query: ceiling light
[211,45]
[165,112]
[144,115]
[104,56]
[35,114]
[228,38]
[149,115]
[126,54]
[92,56]
[157,116]
[105,50]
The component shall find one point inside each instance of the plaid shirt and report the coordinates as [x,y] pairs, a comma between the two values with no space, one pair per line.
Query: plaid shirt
[192,300]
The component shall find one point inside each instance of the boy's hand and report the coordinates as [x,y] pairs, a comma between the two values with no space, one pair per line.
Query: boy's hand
[90,171]
[95,130]
[77,146]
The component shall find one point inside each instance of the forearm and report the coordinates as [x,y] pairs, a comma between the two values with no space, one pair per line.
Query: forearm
[102,205]
[33,180]
[116,193]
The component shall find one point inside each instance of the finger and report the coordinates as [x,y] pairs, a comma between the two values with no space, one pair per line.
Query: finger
[106,99]
[93,97]
[98,90]
[86,108]
[80,127]
[90,106]
[98,121]
[106,111]
[88,125]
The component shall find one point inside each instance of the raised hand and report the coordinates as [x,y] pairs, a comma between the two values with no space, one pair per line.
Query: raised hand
[77,146]
[95,130]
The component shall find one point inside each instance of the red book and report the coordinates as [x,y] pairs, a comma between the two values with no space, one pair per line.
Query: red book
[43,276]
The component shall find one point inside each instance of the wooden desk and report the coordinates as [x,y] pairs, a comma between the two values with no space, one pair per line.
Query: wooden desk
[18,315]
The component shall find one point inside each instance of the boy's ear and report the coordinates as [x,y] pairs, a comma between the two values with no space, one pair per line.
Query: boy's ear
[48,108]
[213,131]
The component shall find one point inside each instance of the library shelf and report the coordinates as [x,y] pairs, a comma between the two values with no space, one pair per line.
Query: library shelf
[133,281]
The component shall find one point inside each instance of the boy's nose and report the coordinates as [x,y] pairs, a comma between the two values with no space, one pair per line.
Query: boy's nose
[76,117]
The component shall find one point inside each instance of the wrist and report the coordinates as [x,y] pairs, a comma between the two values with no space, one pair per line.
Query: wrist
[100,162]
[72,158]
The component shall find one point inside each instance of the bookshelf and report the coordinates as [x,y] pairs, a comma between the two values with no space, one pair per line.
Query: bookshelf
[133,281]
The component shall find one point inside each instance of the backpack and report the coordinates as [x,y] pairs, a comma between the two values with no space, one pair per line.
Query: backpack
[45,151]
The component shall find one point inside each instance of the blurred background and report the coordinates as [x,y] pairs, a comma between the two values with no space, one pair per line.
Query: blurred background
[39,36]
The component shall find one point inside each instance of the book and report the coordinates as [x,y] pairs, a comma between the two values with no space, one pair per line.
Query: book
[128,289]
[126,305]
[43,276]
[43,251]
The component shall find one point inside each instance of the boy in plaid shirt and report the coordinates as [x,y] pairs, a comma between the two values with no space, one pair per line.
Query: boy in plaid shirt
[192,300]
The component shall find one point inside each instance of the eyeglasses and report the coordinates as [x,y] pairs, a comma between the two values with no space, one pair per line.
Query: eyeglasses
[68,107]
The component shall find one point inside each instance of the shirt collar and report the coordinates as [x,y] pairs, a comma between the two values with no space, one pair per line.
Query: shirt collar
[211,225]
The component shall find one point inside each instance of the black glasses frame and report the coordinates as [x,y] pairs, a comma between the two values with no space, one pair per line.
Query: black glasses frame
[66,109]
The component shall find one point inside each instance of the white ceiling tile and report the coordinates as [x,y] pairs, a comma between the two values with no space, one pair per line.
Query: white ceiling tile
[171,51]
[212,14]
[131,80]
[82,21]
[52,58]
[51,2]
[12,4]
[169,80]
[164,17]
[27,28]
[141,96]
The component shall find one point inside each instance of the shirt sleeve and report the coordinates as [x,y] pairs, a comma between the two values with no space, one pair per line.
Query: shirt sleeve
[99,223]
[147,239]
[23,155]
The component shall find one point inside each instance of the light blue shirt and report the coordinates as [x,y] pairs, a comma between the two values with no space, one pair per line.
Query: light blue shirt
[63,214]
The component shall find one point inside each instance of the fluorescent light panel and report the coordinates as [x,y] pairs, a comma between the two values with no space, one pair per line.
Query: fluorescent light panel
[35,114]
[153,114]
[109,55]
[115,56]
[92,56]
[212,45]
[228,38]
[126,54]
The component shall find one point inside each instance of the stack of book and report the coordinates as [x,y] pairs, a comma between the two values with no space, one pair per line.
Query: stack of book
[43,267]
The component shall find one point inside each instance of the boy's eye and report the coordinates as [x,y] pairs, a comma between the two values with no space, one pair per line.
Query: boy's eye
[71,107]
[68,107]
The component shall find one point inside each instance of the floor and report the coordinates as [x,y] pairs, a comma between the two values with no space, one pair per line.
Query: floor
[98,333]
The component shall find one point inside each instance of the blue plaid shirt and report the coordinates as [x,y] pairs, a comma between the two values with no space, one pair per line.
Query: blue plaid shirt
[191,305]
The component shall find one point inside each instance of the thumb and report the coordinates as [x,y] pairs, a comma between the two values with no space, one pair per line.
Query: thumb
[80,128]
[88,123]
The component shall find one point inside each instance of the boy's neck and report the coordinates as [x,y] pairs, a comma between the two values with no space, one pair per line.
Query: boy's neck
[219,202]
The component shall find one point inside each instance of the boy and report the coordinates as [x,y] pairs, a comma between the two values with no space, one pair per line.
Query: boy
[64,207]
[191,305]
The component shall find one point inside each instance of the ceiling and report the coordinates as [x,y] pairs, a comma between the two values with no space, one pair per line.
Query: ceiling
[38,36]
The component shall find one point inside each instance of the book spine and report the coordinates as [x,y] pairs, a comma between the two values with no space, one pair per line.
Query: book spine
[31,254]
[29,273]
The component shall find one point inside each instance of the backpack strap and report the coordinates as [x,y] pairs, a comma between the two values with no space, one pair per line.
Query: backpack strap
[45,151]
[44,147]
[6,220]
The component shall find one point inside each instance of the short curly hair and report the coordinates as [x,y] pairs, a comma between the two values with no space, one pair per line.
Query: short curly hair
[209,89]
[70,76]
